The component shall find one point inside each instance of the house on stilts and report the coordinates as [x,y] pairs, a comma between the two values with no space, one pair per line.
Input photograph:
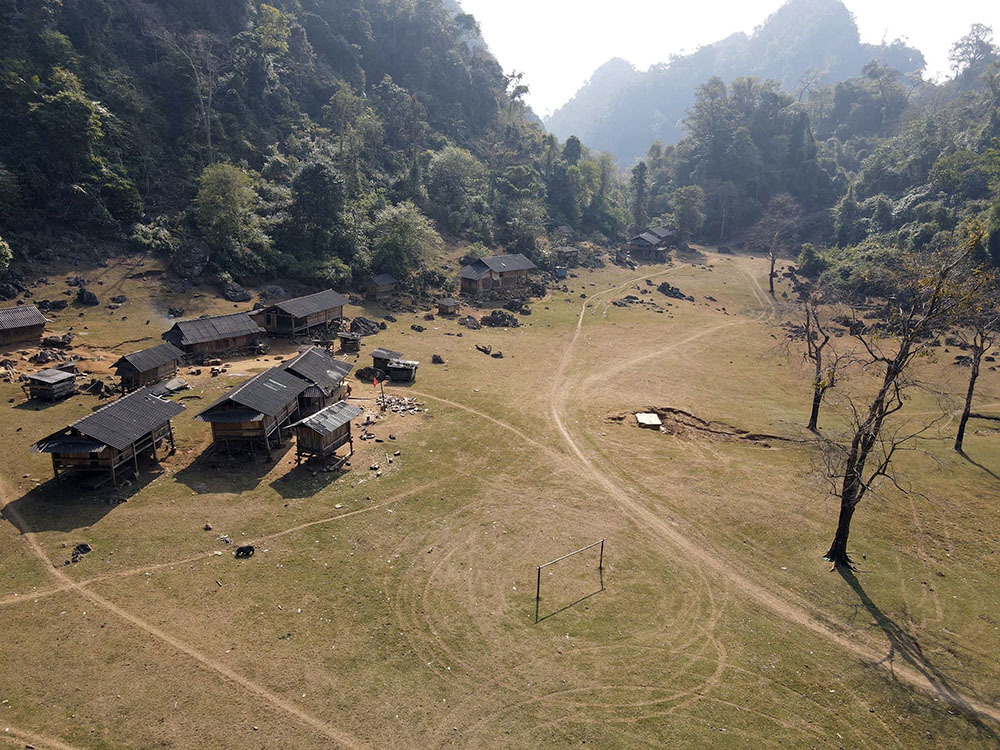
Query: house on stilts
[302,314]
[111,440]
[321,434]
[148,366]
[324,375]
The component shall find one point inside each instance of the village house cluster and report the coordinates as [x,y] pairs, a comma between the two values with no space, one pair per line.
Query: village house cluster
[305,396]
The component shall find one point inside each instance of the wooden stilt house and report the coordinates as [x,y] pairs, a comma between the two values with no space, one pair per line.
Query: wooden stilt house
[215,335]
[321,434]
[448,306]
[111,440]
[20,324]
[381,286]
[301,314]
[325,376]
[148,366]
[52,384]
[495,272]
[255,414]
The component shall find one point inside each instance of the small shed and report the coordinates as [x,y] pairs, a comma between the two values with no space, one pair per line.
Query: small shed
[111,439]
[148,366]
[325,376]
[256,412]
[215,335]
[301,314]
[349,342]
[381,286]
[382,357]
[51,385]
[402,370]
[21,324]
[321,434]
[448,306]
[567,256]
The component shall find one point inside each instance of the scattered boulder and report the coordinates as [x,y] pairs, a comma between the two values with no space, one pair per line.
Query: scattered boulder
[191,259]
[497,355]
[175,312]
[274,291]
[417,328]
[437,359]
[500,319]
[390,318]
[669,290]
[120,299]
[469,322]
[236,293]
[485,349]
[364,326]
[58,342]
[76,281]
[86,297]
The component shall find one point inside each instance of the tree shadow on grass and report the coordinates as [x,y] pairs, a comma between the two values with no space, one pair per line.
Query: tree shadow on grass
[978,465]
[215,471]
[68,505]
[906,648]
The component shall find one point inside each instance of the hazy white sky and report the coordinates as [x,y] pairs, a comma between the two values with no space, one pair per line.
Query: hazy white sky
[557,44]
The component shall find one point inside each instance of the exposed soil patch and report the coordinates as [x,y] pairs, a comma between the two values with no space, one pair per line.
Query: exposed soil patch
[684,424]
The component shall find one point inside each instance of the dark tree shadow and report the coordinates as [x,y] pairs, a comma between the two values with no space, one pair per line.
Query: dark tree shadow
[70,505]
[904,647]
[978,465]
[215,471]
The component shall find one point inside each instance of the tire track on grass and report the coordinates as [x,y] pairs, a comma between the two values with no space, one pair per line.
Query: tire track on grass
[22,738]
[782,605]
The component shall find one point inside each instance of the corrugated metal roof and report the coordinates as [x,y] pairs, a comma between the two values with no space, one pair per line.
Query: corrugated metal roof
[503,263]
[474,271]
[381,353]
[151,358]
[300,307]
[267,393]
[330,419]
[383,279]
[317,367]
[52,376]
[122,422]
[652,239]
[200,330]
[23,316]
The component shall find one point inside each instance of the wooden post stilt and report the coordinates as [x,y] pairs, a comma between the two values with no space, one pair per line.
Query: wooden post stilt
[538,592]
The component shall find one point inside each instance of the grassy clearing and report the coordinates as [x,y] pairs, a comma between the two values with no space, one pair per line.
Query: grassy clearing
[405,617]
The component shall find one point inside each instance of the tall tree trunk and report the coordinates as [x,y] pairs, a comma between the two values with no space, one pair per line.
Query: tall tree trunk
[770,278]
[973,376]
[837,554]
[817,400]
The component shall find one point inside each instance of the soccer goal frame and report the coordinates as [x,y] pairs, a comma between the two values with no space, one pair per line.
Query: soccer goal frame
[538,572]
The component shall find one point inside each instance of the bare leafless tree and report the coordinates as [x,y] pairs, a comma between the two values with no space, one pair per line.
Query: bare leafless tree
[775,232]
[926,302]
[978,329]
[827,361]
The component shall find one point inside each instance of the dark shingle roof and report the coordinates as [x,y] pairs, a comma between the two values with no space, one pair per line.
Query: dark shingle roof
[566,250]
[331,419]
[515,262]
[317,367]
[24,316]
[267,393]
[382,353]
[383,278]
[300,307]
[652,239]
[448,301]
[474,271]
[200,330]
[661,232]
[122,422]
[149,359]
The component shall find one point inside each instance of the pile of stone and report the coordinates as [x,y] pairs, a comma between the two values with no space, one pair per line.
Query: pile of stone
[58,342]
[44,356]
[500,319]
[469,322]
[400,404]
[86,297]
[668,289]
[46,305]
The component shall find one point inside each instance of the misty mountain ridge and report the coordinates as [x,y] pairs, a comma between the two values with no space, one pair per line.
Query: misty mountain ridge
[621,110]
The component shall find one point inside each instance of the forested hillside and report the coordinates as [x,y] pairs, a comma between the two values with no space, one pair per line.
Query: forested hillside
[872,167]
[322,139]
[803,44]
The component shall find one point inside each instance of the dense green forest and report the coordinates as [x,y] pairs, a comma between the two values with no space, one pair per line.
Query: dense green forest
[804,43]
[871,167]
[322,139]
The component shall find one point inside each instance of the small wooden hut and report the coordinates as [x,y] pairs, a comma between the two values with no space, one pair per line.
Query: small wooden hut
[567,256]
[52,384]
[21,324]
[215,335]
[301,314]
[495,272]
[110,440]
[255,414]
[349,342]
[321,434]
[381,358]
[381,286]
[325,376]
[448,306]
[148,366]
[402,370]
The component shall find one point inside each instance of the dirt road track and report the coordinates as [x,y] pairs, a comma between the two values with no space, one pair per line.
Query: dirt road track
[783,604]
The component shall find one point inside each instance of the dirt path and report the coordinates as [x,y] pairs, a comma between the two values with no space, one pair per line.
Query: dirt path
[276,701]
[783,605]
[20,738]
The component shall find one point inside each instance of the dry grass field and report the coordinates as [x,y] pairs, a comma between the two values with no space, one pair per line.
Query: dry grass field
[398,611]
